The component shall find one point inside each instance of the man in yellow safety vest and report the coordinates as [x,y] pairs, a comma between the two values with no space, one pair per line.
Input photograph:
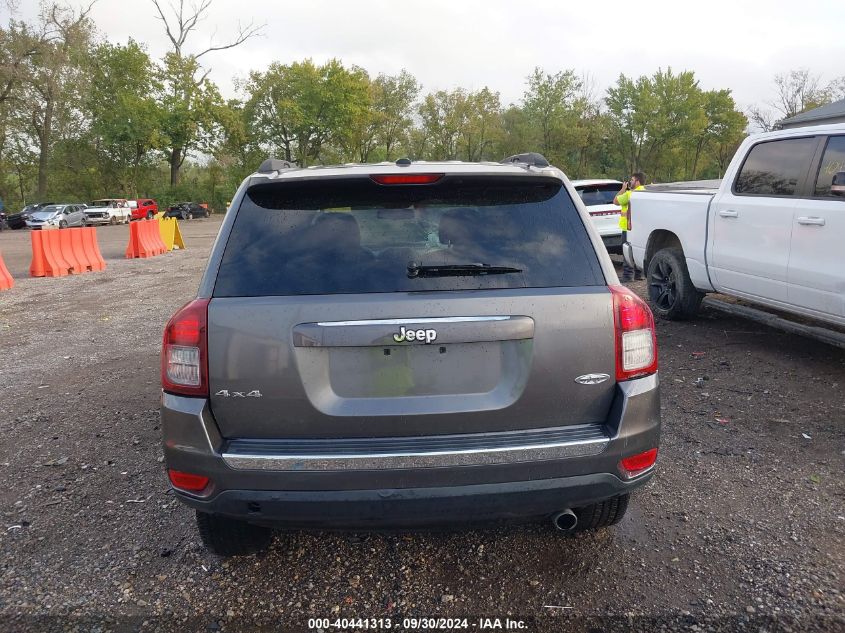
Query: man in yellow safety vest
[623,199]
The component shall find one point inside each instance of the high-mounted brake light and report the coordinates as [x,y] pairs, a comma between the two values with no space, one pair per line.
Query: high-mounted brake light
[636,342]
[638,464]
[187,481]
[406,179]
[184,351]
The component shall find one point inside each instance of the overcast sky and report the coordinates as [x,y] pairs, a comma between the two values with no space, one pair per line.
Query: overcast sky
[735,44]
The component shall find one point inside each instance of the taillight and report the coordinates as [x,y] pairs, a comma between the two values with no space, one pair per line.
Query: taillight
[636,343]
[638,464]
[184,351]
[187,481]
[406,179]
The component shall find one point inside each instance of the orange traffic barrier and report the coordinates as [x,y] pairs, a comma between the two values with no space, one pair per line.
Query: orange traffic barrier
[47,260]
[76,259]
[64,252]
[92,248]
[6,281]
[145,239]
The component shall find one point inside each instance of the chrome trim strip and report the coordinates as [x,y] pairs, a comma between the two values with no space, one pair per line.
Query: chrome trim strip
[432,459]
[408,321]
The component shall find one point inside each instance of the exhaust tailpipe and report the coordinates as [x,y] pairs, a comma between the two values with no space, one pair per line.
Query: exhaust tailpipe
[565,521]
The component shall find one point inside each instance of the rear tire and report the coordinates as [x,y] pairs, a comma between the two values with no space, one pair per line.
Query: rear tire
[150,215]
[671,292]
[600,515]
[231,537]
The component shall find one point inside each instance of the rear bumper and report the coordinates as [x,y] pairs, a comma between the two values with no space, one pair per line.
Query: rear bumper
[463,483]
[628,254]
[615,240]
[414,507]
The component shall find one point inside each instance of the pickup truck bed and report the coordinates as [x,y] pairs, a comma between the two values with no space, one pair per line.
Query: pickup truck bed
[771,232]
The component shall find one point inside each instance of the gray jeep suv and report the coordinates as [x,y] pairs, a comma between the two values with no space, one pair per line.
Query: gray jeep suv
[407,344]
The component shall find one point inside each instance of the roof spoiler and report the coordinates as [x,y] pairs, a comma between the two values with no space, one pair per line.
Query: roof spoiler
[529,159]
[274,164]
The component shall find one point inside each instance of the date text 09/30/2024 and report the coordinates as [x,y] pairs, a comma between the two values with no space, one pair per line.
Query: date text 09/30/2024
[417,624]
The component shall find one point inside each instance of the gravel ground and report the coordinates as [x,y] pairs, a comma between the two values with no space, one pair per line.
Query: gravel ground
[741,529]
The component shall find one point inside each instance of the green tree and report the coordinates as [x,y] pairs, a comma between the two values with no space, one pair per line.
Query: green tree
[126,117]
[300,110]
[189,122]
[666,125]
[394,102]
[443,115]
[18,44]
[56,81]
[550,102]
[482,125]
[189,96]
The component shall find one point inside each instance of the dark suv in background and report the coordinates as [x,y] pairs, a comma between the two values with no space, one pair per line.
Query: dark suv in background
[187,211]
[18,220]
[403,345]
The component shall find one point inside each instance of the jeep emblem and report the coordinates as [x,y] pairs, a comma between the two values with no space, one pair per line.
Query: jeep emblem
[423,336]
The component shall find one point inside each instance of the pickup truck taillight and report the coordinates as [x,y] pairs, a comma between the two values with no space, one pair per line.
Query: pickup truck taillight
[184,351]
[636,342]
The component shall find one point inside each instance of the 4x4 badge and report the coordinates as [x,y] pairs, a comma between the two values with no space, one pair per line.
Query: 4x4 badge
[423,336]
[225,393]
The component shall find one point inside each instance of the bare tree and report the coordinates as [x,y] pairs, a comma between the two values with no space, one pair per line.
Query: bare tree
[179,26]
[186,76]
[836,88]
[796,91]
[762,118]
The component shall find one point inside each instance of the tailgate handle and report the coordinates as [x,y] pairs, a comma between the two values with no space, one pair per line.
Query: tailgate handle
[729,214]
[811,221]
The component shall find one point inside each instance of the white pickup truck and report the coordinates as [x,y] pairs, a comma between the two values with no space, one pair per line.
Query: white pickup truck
[771,232]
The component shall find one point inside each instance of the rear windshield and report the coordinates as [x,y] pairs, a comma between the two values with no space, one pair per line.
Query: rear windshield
[336,236]
[598,194]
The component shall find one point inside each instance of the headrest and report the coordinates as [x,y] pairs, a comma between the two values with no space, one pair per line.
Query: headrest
[458,226]
[337,230]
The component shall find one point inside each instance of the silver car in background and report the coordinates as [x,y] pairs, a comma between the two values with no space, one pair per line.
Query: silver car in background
[59,216]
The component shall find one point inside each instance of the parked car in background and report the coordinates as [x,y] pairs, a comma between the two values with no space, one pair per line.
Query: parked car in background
[18,220]
[108,211]
[771,232]
[143,208]
[187,211]
[597,196]
[382,346]
[58,215]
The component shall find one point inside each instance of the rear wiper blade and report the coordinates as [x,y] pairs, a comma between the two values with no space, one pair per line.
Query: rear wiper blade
[458,270]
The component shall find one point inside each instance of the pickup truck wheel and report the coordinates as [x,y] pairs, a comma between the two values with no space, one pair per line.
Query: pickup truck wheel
[230,537]
[670,290]
[113,220]
[602,514]
[150,215]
